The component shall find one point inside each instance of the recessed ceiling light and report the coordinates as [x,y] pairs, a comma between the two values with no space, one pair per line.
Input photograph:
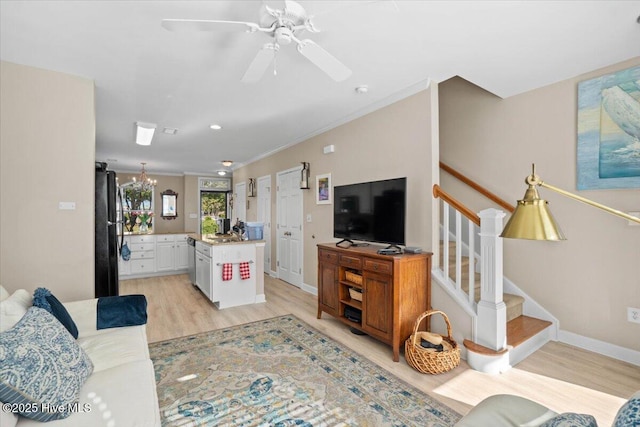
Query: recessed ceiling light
[215,127]
[222,173]
[170,131]
[362,89]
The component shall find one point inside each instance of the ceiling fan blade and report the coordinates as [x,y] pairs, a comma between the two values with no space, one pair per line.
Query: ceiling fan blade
[260,63]
[324,60]
[201,25]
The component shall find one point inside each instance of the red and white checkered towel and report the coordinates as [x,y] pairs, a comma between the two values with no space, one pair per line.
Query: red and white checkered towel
[244,271]
[227,271]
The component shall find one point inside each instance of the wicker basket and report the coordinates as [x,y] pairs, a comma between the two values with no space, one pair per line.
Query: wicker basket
[353,277]
[429,361]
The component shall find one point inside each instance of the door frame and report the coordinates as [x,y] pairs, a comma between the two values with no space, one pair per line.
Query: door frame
[262,183]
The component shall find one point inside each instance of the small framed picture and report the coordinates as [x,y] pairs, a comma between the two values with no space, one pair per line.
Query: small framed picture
[323,189]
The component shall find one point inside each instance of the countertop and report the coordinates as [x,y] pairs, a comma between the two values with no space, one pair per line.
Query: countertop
[210,241]
[159,234]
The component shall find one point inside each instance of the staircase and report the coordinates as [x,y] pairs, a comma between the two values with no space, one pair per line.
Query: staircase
[513,302]
[504,330]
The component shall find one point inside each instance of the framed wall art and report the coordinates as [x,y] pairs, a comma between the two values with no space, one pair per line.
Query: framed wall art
[608,152]
[323,189]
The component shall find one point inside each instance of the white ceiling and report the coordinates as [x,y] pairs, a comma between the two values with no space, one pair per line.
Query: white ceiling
[189,80]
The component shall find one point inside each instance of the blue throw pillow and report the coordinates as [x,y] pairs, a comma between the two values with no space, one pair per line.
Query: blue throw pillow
[569,419]
[43,367]
[43,298]
[629,413]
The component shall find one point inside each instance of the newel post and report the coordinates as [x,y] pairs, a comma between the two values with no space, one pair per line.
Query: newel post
[492,311]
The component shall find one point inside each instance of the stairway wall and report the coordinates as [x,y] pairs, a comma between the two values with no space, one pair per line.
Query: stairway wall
[588,281]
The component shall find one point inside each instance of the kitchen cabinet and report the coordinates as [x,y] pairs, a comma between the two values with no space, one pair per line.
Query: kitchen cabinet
[209,263]
[154,255]
[182,252]
[386,292]
[203,268]
[143,253]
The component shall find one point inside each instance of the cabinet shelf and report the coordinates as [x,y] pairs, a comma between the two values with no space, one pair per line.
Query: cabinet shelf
[350,284]
[352,303]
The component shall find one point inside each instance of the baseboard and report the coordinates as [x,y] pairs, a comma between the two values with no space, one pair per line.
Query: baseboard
[600,347]
[260,298]
[309,289]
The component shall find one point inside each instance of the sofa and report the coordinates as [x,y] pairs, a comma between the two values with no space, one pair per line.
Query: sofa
[116,384]
[504,410]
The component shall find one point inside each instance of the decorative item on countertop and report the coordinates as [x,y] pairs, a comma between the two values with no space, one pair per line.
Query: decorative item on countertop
[429,360]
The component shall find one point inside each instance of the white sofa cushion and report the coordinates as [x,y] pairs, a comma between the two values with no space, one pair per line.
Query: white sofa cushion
[119,346]
[4,294]
[13,308]
[123,396]
[8,419]
[503,410]
[84,314]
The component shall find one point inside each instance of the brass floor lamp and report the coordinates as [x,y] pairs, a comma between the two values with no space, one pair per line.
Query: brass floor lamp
[532,219]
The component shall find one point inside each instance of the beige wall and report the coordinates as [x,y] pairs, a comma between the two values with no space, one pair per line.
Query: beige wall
[47,151]
[588,281]
[392,142]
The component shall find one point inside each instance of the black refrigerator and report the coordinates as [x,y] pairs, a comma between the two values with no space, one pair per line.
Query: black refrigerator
[106,233]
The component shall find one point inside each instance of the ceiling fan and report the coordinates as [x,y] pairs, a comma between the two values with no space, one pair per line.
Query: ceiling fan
[284,26]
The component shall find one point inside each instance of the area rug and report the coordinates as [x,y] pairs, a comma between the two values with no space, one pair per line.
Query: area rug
[282,372]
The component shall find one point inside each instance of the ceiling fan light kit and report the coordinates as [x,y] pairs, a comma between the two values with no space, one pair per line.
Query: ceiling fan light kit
[284,26]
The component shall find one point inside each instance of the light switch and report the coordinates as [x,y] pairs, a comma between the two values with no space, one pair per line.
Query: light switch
[67,206]
[193,216]
[308,217]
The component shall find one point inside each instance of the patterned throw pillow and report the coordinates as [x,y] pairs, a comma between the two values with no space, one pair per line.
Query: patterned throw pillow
[569,419]
[43,298]
[629,413]
[42,368]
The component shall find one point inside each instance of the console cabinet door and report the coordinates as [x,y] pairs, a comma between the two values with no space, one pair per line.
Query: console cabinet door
[328,288]
[377,305]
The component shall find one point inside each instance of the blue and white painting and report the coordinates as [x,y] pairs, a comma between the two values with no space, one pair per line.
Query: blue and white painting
[609,131]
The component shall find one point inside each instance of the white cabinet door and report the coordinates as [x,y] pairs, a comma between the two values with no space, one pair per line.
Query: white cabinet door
[182,255]
[165,256]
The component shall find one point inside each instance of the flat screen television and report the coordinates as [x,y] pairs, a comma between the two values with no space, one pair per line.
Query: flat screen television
[371,211]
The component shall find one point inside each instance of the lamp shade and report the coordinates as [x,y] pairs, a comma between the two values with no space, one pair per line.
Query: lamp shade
[532,220]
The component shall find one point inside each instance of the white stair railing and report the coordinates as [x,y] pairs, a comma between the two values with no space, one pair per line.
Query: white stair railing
[490,310]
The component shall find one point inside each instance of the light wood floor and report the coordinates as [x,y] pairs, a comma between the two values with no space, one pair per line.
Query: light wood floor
[564,378]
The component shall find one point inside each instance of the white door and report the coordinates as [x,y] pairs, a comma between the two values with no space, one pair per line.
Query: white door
[289,227]
[264,216]
[240,203]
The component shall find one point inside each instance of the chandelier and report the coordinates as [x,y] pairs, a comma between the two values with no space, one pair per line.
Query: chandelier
[143,181]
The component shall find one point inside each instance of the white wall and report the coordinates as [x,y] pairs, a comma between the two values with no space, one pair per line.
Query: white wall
[47,152]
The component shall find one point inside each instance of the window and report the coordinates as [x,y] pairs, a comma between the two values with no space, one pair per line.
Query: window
[137,206]
[214,202]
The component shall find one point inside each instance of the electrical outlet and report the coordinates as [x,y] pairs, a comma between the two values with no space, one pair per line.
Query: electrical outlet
[633,314]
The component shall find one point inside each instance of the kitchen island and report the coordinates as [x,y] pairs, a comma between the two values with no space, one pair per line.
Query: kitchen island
[230,272]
